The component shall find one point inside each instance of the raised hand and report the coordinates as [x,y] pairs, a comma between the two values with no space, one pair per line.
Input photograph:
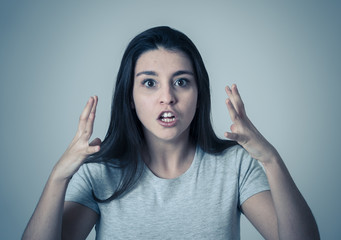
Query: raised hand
[243,131]
[80,147]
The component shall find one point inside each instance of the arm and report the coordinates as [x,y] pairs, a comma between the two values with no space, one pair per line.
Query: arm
[78,221]
[284,205]
[47,221]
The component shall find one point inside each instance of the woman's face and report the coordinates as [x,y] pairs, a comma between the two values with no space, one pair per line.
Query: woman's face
[165,94]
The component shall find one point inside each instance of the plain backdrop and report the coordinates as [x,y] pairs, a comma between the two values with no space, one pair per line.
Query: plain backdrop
[285,57]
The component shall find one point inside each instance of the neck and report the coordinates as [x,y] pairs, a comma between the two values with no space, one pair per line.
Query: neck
[169,159]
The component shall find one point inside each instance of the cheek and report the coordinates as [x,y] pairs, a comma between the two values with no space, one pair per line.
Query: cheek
[191,105]
[143,107]
[138,103]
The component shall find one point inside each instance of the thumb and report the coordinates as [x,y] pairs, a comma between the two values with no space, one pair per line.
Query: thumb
[95,142]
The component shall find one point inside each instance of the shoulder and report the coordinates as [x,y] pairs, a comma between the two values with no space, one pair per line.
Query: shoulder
[96,171]
[235,151]
[100,177]
[234,158]
[232,154]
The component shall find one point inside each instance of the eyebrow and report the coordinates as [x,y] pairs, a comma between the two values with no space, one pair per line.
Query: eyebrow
[177,73]
[151,73]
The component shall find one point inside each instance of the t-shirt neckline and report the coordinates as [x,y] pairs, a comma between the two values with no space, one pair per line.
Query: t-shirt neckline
[186,174]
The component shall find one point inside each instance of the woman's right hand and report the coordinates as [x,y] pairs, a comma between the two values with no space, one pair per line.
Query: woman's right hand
[80,147]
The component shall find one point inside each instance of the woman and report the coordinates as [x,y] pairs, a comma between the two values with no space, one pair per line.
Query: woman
[161,172]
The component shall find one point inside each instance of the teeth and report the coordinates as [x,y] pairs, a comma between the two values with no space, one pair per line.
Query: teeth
[168,120]
[167,114]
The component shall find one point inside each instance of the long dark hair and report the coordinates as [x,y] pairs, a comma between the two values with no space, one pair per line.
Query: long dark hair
[124,140]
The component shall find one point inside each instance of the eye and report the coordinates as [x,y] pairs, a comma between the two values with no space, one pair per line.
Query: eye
[181,82]
[149,83]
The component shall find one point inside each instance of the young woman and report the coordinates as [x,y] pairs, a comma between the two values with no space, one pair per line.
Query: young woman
[161,172]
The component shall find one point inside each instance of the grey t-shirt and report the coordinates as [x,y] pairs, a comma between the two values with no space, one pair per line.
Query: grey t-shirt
[203,203]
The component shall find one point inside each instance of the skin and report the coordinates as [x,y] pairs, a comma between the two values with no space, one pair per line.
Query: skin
[164,81]
[52,218]
[281,213]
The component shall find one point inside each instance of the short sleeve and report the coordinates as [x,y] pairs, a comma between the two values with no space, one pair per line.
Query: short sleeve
[252,178]
[80,189]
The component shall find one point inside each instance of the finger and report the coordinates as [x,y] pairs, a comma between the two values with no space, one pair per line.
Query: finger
[85,115]
[236,137]
[232,136]
[92,149]
[232,111]
[91,119]
[229,92]
[94,107]
[237,100]
[95,142]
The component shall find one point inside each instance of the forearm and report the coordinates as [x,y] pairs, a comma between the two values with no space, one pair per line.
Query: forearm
[46,221]
[295,219]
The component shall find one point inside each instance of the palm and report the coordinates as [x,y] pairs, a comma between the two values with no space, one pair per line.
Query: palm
[242,129]
[80,147]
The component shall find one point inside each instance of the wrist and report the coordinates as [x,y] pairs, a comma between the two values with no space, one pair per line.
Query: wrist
[58,178]
[272,159]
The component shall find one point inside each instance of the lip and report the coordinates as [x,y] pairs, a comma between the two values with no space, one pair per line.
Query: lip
[167,124]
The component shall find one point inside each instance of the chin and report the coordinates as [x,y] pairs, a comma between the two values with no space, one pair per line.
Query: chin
[169,135]
[174,137]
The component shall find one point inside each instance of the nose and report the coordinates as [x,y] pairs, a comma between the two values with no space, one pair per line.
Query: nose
[167,96]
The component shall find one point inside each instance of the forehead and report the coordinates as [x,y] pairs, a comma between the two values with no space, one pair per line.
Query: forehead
[163,60]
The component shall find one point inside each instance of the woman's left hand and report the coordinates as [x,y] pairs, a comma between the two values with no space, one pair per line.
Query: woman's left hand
[244,132]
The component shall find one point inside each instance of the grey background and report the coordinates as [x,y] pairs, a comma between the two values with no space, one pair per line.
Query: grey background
[284,56]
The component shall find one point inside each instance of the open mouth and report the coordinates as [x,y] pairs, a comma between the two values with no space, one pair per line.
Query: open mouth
[167,117]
